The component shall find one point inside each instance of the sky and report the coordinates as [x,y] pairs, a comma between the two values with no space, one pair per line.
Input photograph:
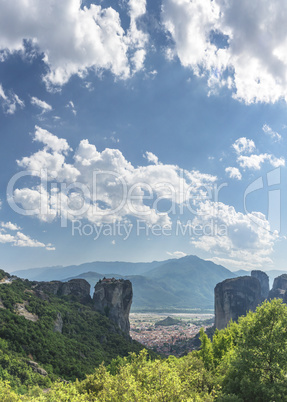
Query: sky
[141,130]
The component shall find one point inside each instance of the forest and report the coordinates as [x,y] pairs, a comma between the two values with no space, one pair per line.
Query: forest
[247,361]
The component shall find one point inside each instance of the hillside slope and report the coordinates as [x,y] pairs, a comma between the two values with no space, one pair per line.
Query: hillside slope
[65,336]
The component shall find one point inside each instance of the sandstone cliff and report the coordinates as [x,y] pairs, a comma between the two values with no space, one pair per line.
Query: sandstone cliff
[113,298]
[235,297]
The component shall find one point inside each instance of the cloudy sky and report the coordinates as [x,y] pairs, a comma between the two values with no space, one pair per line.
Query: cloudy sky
[143,130]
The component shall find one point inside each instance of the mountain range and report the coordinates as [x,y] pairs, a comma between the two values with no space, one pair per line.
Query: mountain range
[182,284]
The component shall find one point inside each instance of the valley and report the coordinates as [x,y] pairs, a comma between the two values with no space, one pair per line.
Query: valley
[168,339]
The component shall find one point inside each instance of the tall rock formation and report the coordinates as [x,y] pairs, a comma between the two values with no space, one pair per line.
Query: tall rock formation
[78,289]
[113,298]
[234,298]
[279,288]
[264,282]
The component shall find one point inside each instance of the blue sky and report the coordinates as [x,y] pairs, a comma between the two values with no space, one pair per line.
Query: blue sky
[159,129]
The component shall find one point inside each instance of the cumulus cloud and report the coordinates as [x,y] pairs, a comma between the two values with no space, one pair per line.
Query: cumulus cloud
[273,134]
[51,141]
[255,161]
[239,45]
[19,239]
[9,226]
[75,38]
[10,101]
[103,187]
[235,236]
[41,104]
[233,173]
[243,145]
[151,157]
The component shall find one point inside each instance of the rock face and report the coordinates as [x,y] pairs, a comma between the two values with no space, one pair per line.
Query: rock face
[279,288]
[79,289]
[113,298]
[20,309]
[37,369]
[58,323]
[264,282]
[234,298]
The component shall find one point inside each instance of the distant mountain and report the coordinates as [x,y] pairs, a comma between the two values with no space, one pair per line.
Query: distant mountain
[60,272]
[148,294]
[183,284]
[192,279]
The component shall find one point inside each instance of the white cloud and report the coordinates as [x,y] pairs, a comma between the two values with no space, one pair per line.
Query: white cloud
[176,254]
[41,104]
[114,189]
[6,238]
[137,39]
[255,161]
[273,134]
[233,173]
[51,141]
[234,236]
[10,101]
[22,240]
[243,145]
[9,226]
[104,187]
[151,157]
[51,158]
[75,38]
[19,239]
[70,105]
[237,44]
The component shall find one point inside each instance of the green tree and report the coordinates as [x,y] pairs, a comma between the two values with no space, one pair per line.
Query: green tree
[258,365]
[206,350]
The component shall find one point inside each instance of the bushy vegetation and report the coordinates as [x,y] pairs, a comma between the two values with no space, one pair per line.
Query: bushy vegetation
[245,362]
[248,359]
[87,337]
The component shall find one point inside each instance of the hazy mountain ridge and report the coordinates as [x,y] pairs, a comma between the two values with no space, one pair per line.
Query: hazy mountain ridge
[184,283]
[104,267]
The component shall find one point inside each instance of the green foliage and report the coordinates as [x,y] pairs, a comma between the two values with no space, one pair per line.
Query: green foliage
[20,375]
[258,367]
[3,274]
[142,379]
[138,378]
[249,358]
[87,339]
[247,361]
[206,352]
